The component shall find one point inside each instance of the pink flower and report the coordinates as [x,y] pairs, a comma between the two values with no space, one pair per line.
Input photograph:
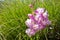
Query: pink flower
[37,22]
[30,5]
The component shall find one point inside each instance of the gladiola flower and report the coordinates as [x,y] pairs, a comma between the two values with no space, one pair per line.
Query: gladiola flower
[37,22]
[30,5]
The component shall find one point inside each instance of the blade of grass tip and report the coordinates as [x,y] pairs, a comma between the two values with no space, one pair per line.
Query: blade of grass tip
[46,37]
[19,36]
[37,36]
[12,30]
[45,33]
[3,37]
[31,38]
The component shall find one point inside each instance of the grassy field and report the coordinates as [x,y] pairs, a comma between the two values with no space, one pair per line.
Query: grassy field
[13,14]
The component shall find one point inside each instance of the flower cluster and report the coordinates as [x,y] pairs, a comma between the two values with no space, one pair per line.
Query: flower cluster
[37,22]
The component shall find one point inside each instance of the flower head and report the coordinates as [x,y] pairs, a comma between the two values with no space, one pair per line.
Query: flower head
[30,5]
[37,22]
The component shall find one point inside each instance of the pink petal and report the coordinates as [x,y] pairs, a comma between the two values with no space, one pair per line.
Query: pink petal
[36,27]
[29,22]
[45,14]
[31,16]
[39,10]
[30,32]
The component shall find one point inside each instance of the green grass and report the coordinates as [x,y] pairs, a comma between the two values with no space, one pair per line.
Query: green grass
[13,15]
